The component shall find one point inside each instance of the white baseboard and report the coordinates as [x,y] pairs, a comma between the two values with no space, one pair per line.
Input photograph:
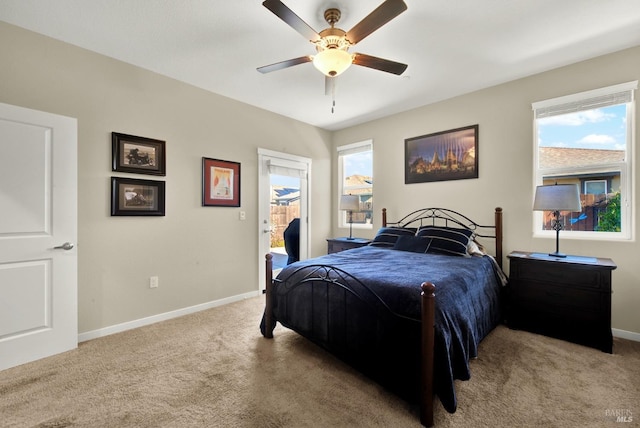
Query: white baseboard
[623,334]
[106,331]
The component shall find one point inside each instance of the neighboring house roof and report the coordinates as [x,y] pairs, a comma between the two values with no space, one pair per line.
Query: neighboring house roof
[559,157]
[281,192]
[358,184]
[358,180]
[281,195]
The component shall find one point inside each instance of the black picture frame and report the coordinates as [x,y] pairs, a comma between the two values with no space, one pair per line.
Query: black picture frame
[136,197]
[442,156]
[138,155]
[220,183]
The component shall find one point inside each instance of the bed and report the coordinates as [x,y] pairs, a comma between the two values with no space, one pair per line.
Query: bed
[408,310]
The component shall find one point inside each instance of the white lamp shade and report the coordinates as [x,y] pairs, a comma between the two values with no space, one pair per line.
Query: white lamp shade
[332,62]
[349,203]
[557,197]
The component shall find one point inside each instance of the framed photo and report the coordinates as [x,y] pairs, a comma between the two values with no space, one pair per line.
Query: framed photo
[446,155]
[220,183]
[138,154]
[131,196]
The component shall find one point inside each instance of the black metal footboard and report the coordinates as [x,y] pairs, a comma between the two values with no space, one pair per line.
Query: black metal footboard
[338,312]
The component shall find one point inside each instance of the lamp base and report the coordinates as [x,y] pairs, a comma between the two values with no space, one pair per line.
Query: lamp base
[557,254]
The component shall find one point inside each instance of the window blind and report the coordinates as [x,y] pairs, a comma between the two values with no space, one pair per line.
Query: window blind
[354,148]
[287,168]
[598,98]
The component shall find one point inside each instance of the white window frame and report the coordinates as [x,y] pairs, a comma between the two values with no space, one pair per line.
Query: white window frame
[602,97]
[348,149]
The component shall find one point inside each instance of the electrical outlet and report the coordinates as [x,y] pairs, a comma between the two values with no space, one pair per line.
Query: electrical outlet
[153,282]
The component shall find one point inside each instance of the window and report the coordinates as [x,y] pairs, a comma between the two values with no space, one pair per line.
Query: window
[586,139]
[595,187]
[355,177]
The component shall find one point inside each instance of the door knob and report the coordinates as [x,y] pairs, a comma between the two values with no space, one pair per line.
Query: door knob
[66,246]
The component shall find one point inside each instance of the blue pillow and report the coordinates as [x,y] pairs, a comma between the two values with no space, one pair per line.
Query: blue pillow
[387,236]
[447,240]
[413,244]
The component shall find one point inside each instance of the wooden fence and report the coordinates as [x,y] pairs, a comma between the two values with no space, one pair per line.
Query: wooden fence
[585,220]
[281,216]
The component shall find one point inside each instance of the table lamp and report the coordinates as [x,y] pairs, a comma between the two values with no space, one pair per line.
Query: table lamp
[556,198]
[350,203]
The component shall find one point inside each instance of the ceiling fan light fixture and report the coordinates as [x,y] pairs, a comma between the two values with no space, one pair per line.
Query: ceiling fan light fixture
[332,62]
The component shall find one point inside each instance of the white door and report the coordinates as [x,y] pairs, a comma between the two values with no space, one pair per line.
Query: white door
[38,212]
[271,167]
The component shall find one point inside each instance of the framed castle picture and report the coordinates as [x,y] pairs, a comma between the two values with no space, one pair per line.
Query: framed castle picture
[445,155]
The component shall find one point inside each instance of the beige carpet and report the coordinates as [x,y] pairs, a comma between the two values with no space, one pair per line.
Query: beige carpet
[213,369]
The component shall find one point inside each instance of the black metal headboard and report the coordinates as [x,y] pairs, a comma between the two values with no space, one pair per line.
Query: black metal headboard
[449,218]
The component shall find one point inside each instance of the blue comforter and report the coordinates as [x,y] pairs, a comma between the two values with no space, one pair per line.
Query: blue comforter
[467,306]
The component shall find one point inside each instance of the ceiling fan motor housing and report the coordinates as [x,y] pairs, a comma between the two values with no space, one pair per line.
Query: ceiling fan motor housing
[333,38]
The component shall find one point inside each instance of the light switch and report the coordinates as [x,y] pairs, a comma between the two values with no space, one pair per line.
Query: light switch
[243,215]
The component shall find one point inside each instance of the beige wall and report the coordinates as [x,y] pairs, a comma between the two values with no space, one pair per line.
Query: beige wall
[201,254]
[505,165]
[206,254]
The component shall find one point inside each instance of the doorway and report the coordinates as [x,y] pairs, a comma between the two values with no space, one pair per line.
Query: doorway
[283,209]
[284,217]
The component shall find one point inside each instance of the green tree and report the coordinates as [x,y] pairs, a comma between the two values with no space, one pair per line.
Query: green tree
[609,219]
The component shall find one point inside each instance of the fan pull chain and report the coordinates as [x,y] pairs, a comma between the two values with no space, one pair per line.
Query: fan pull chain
[333,95]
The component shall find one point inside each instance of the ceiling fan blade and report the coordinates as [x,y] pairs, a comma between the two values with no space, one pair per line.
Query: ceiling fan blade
[376,19]
[379,63]
[290,18]
[284,64]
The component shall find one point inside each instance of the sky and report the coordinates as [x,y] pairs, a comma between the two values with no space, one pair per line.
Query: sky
[283,180]
[603,128]
[359,163]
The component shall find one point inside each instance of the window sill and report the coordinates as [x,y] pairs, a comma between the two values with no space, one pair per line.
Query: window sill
[368,226]
[585,236]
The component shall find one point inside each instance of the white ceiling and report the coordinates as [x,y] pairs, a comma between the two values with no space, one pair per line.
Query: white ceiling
[451,46]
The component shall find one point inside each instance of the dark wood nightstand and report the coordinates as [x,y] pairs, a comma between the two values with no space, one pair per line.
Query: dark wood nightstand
[567,298]
[335,245]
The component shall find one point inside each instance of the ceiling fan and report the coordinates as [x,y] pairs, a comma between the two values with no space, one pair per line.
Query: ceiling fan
[332,44]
